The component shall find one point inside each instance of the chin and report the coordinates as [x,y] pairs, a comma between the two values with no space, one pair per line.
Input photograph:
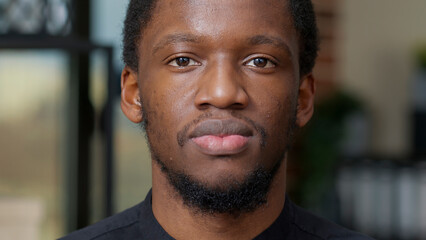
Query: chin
[224,179]
[224,192]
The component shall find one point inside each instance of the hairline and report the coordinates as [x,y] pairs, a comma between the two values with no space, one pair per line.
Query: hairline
[300,39]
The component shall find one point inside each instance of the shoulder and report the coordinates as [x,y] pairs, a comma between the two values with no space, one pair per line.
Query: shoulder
[111,227]
[316,227]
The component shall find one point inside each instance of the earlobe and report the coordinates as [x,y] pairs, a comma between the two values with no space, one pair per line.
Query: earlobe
[305,104]
[130,98]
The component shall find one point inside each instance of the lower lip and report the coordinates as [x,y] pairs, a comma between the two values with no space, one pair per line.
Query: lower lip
[218,145]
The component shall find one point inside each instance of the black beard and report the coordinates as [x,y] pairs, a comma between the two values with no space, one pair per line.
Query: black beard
[237,197]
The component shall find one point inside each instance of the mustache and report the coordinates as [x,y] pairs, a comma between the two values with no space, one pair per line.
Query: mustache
[183,136]
[221,128]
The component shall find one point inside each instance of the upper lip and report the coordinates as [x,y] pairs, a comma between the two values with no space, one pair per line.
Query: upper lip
[221,127]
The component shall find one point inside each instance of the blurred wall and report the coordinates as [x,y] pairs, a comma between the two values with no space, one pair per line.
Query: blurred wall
[377,39]
[107,21]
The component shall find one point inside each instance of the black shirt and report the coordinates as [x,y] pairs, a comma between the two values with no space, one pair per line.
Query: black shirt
[139,223]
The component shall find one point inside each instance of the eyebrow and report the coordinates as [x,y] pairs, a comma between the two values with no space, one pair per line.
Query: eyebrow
[270,40]
[255,40]
[176,38]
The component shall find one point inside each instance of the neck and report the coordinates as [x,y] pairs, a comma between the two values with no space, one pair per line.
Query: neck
[181,222]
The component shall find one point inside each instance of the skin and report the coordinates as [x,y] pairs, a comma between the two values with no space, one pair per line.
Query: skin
[221,81]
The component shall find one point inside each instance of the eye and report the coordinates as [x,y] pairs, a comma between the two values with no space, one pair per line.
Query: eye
[183,62]
[260,62]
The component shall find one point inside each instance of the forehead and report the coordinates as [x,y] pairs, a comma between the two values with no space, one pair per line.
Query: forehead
[221,21]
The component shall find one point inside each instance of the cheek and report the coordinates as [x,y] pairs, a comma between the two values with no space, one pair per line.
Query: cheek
[167,106]
[276,108]
[158,96]
[281,116]
[275,101]
[168,94]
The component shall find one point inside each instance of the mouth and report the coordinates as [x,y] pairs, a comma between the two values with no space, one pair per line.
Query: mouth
[219,137]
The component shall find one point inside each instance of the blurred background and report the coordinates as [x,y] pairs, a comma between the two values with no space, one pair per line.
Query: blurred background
[69,157]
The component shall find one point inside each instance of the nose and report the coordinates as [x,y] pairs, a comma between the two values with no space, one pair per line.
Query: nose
[221,86]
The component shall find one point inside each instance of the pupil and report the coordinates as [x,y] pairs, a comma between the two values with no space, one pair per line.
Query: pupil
[260,62]
[182,61]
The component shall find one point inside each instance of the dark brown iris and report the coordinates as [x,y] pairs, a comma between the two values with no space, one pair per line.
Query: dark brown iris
[182,61]
[260,62]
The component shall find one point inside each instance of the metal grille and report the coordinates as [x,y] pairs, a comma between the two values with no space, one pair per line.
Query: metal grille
[384,199]
[35,17]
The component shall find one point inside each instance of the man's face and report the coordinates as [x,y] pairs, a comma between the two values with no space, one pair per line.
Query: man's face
[219,83]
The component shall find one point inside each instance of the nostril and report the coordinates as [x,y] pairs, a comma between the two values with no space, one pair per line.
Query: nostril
[238,105]
[203,105]
[233,100]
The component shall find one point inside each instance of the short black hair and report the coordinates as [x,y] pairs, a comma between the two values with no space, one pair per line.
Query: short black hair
[139,13]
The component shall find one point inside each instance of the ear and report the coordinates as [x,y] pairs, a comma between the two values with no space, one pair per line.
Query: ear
[305,101]
[130,98]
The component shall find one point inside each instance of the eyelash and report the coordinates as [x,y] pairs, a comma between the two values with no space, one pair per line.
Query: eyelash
[269,63]
[191,62]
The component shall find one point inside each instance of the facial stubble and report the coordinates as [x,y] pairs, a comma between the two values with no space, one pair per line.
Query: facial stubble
[230,196]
